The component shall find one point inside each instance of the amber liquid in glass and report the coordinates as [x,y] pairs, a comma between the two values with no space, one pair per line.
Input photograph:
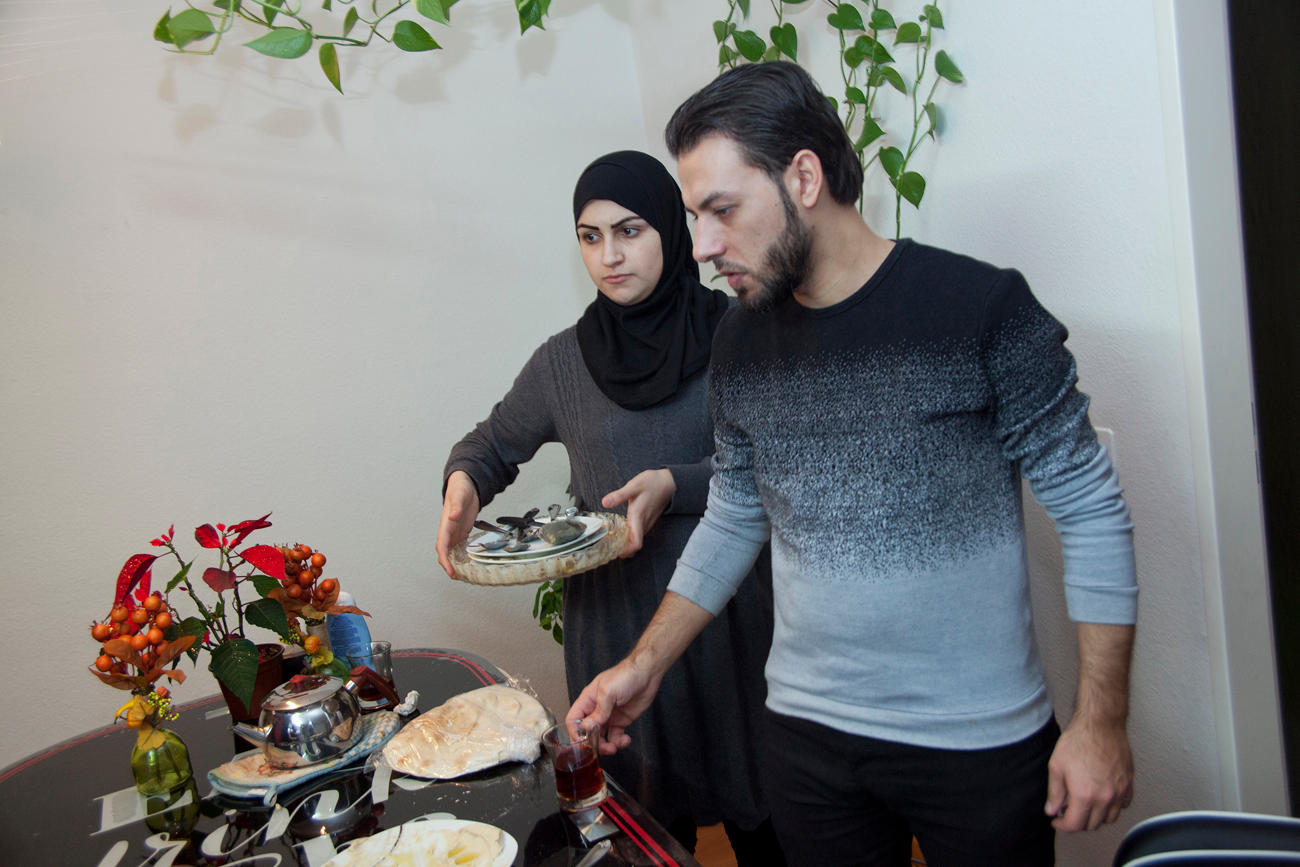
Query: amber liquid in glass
[577,773]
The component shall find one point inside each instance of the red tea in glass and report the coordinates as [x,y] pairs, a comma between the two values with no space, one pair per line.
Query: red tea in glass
[579,781]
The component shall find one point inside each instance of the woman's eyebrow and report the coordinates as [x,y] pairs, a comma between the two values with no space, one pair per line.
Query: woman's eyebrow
[630,218]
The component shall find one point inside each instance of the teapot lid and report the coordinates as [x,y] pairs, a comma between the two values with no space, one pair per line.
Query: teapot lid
[302,690]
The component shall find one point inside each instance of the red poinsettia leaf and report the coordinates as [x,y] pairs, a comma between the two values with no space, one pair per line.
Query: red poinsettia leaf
[239,532]
[267,558]
[142,589]
[132,571]
[218,579]
[207,536]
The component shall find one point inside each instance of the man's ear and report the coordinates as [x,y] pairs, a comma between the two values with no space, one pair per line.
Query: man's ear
[804,179]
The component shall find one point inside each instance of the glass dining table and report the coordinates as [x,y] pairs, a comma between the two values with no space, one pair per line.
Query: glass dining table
[75,803]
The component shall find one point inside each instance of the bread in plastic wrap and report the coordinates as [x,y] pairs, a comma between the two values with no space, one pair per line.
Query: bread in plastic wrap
[470,732]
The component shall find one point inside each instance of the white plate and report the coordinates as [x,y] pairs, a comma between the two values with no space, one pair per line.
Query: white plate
[412,839]
[595,527]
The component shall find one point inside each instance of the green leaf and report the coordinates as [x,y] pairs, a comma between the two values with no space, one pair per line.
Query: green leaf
[912,187]
[944,66]
[329,64]
[892,160]
[272,8]
[409,36]
[853,57]
[350,20]
[930,12]
[910,31]
[744,7]
[845,17]
[750,45]
[285,42]
[531,13]
[893,77]
[179,577]
[786,39]
[234,663]
[268,614]
[855,94]
[327,5]
[882,20]
[870,132]
[772,53]
[433,9]
[160,32]
[835,106]
[726,55]
[264,584]
[233,5]
[719,30]
[189,26]
[874,49]
[932,112]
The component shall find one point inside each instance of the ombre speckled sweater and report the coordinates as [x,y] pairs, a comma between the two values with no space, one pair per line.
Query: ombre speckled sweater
[881,442]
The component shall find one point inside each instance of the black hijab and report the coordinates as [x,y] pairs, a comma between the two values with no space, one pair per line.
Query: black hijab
[638,354]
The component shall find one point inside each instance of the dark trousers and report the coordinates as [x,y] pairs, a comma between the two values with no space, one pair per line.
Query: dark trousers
[842,799]
[756,848]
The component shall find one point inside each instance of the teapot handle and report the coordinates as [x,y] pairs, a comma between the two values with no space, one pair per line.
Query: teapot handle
[368,675]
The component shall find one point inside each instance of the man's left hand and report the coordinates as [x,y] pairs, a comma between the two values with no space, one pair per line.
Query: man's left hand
[1090,776]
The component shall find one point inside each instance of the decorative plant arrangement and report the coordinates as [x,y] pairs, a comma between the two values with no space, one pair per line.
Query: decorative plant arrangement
[869,70]
[288,31]
[258,585]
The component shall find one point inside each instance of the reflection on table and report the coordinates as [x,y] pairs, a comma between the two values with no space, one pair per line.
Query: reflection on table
[75,803]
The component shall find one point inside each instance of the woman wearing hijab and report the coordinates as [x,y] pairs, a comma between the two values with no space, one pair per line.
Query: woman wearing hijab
[624,390]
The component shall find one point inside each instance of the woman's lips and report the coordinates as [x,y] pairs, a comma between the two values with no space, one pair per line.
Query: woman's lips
[616,278]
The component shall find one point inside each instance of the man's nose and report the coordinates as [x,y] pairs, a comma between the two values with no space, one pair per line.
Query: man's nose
[708,243]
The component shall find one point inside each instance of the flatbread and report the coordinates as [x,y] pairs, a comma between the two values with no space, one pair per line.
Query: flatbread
[470,732]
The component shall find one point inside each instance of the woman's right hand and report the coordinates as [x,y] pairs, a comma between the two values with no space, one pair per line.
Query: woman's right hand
[459,509]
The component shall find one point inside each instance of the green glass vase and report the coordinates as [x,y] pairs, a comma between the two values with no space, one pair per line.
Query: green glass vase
[160,762]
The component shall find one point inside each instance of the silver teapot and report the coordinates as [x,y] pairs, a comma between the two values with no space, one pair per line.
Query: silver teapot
[309,719]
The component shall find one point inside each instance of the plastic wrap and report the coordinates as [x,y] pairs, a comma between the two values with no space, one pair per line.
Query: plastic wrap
[470,732]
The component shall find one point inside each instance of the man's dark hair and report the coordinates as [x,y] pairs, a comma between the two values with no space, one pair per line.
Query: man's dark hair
[771,110]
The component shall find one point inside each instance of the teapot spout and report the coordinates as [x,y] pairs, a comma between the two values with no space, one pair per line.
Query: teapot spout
[255,734]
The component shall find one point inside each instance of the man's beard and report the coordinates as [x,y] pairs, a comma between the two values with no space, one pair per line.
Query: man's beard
[785,264]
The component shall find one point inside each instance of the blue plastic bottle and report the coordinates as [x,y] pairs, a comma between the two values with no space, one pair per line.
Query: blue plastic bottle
[349,635]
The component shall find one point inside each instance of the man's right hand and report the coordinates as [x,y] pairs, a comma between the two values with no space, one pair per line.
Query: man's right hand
[459,509]
[612,701]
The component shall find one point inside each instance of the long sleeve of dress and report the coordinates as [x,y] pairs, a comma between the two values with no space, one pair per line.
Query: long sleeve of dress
[519,424]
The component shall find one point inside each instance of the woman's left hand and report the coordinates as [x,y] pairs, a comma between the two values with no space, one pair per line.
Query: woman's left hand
[647,494]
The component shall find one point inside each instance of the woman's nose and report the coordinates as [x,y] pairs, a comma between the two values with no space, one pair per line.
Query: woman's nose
[610,253]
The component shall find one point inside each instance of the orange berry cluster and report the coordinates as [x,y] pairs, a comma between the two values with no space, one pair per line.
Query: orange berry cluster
[303,568]
[144,626]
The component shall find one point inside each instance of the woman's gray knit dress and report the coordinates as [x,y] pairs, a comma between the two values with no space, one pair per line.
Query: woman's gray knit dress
[694,752]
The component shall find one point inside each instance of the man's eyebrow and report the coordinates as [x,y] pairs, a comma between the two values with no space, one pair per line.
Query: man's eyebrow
[707,202]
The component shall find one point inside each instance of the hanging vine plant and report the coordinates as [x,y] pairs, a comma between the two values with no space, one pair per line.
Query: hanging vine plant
[869,71]
[290,32]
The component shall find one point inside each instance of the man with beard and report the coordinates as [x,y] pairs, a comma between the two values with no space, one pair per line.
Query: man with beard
[876,406]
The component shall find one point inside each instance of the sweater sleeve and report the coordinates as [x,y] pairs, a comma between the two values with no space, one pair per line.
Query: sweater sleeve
[692,481]
[519,424]
[729,537]
[1042,421]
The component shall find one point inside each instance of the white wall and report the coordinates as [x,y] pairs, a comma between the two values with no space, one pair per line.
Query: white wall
[226,289]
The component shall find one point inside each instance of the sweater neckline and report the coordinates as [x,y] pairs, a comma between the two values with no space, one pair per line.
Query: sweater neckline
[901,246]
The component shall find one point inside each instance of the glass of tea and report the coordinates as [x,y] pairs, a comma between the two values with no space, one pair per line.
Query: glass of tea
[579,781]
[378,658]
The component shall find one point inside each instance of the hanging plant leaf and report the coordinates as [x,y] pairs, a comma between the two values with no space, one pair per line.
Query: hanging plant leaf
[944,66]
[726,55]
[350,20]
[893,77]
[874,49]
[531,13]
[855,94]
[912,187]
[853,57]
[750,45]
[882,20]
[283,42]
[930,12]
[189,26]
[744,7]
[786,40]
[409,36]
[845,17]
[433,10]
[720,30]
[910,31]
[870,132]
[892,160]
[160,31]
[932,112]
